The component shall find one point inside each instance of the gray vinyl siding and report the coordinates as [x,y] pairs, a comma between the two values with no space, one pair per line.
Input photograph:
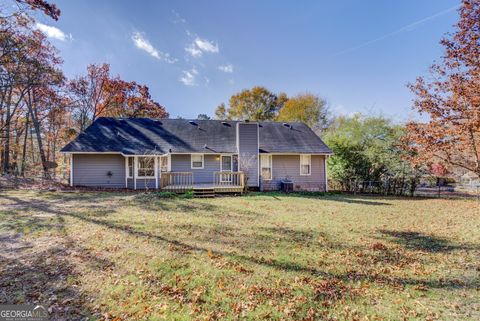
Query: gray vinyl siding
[248,150]
[91,170]
[182,163]
[288,166]
[148,182]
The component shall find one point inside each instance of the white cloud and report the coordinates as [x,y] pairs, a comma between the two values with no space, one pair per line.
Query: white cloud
[193,51]
[52,32]
[228,68]
[199,46]
[188,77]
[205,45]
[142,43]
[178,18]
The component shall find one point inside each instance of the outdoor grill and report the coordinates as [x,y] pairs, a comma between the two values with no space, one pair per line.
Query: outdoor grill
[286,186]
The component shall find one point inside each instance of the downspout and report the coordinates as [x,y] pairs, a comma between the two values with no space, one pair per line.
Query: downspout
[126,172]
[156,172]
[71,169]
[326,173]
[135,172]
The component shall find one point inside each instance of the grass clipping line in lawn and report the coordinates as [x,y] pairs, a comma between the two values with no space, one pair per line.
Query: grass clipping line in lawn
[262,256]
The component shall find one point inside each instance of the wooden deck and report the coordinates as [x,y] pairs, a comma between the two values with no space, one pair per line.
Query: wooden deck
[222,182]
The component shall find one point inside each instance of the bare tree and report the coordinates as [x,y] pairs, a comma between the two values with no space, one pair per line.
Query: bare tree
[149,163]
[246,162]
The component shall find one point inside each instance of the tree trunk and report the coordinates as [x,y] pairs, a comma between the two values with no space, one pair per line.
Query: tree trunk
[2,122]
[10,111]
[32,146]
[6,148]
[16,153]
[36,125]
[25,141]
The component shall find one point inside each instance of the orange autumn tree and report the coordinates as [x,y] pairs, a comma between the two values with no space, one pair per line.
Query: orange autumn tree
[132,100]
[98,94]
[450,97]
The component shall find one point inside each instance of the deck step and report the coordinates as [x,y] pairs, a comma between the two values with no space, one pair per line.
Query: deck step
[203,192]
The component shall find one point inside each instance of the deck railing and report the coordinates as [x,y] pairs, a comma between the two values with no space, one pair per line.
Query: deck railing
[181,182]
[176,181]
[228,179]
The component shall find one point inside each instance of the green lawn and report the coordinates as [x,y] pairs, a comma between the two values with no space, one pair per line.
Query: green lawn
[261,256]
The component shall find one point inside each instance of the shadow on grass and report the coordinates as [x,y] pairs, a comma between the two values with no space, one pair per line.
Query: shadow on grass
[291,235]
[154,202]
[81,195]
[41,271]
[204,232]
[42,278]
[336,197]
[295,237]
[286,266]
[422,242]
[23,223]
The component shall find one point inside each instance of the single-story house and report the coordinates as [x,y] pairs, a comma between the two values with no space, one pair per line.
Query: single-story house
[139,153]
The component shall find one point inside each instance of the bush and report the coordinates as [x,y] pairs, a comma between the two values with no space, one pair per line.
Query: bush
[188,194]
[166,194]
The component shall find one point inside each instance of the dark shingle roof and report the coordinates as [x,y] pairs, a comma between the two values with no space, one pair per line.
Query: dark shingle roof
[159,136]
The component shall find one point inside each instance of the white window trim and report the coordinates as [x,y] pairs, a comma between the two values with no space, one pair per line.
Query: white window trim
[145,177]
[127,167]
[231,162]
[271,166]
[191,161]
[310,163]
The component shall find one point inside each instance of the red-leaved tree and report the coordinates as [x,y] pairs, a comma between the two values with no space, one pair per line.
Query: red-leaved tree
[98,94]
[450,98]
[49,9]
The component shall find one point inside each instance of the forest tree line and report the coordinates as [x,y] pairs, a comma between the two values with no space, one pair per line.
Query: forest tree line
[41,109]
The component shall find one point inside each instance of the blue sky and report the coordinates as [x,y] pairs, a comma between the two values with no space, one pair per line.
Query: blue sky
[195,54]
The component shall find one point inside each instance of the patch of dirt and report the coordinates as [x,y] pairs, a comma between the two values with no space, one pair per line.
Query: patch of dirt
[11,245]
[40,272]
[40,184]
[15,182]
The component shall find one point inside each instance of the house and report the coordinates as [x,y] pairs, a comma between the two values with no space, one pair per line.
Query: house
[178,154]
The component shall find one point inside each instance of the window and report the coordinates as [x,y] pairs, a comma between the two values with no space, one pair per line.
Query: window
[197,161]
[164,164]
[266,162]
[305,165]
[146,167]
[130,167]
